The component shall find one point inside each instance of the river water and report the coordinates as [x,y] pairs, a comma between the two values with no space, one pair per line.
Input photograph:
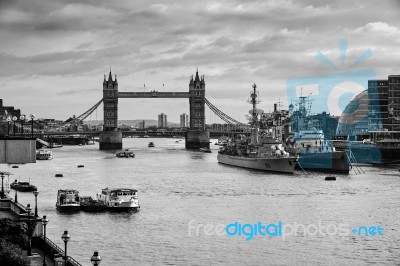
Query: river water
[181,189]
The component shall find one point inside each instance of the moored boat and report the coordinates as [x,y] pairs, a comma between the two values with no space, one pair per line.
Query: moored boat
[260,151]
[315,153]
[119,199]
[23,186]
[68,200]
[309,142]
[374,147]
[44,155]
[125,154]
[89,204]
[151,145]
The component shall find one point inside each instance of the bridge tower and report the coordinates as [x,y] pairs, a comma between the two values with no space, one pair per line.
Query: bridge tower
[197,136]
[110,138]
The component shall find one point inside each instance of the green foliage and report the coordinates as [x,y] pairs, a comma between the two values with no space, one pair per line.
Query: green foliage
[11,254]
[13,232]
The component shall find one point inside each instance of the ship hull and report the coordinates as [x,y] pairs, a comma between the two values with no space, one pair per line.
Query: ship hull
[374,155]
[279,164]
[123,209]
[324,161]
[370,153]
[68,208]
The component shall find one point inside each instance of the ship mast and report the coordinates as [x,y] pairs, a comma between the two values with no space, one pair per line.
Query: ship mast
[253,101]
[254,116]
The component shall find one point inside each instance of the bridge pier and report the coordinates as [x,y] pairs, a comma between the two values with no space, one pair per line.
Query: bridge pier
[110,140]
[197,139]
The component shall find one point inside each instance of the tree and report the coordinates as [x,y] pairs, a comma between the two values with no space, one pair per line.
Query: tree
[13,237]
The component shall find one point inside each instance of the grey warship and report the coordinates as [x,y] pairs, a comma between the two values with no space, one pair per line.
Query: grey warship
[260,151]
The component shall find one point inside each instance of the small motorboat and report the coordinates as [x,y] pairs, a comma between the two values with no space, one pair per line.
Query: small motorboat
[23,186]
[151,145]
[15,166]
[80,166]
[125,154]
[59,175]
[207,150]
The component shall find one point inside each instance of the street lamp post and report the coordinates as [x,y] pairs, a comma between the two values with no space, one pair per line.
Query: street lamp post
[28,208]
[65,237]
[36,193]
[44,222]
[2,186]
[22,117]
[14,120]
[95,260]
[32,117]
[8,125]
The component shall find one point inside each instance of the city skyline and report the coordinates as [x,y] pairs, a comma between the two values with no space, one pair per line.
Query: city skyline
[57,52]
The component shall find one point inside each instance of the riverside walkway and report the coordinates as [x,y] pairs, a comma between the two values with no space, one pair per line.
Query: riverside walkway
[16,211]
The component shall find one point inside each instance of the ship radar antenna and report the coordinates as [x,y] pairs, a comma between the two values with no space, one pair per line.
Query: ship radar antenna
[253,101]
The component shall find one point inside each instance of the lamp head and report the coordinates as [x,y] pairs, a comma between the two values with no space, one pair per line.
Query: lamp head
[14,118]
[35,193]
[95,260]
[45,220]
[28,208]
[32,116]
[22,117]
[65,237]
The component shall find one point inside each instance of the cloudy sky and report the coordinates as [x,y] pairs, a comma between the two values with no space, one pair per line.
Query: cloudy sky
[54,53]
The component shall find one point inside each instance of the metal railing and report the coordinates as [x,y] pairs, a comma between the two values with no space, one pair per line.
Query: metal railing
[60,251]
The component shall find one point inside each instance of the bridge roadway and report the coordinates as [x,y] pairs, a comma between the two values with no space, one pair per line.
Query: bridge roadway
[153,94]
[166,134]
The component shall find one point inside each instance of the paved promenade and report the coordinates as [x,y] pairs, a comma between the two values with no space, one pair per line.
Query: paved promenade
[37,258]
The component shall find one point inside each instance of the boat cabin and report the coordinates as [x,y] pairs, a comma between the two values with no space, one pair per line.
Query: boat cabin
[68,196]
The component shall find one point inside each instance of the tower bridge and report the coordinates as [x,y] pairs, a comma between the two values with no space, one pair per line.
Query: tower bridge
[196,136]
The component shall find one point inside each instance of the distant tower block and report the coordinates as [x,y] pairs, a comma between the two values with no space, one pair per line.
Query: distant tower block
[197,136]
[110,138]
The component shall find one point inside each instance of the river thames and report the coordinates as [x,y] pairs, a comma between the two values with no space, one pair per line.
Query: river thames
[178,186]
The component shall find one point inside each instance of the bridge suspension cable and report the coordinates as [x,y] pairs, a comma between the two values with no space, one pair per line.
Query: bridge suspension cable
[224,117]
[85,114]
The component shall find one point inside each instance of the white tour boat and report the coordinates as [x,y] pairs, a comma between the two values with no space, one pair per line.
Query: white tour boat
[119,199]
[44,155]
